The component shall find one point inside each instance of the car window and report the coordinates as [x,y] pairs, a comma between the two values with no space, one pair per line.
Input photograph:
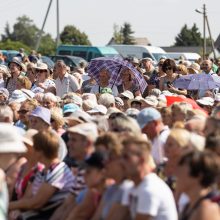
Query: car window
[64,52]
[82,54]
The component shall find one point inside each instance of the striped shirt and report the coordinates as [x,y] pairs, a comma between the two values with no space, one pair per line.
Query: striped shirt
[58,176]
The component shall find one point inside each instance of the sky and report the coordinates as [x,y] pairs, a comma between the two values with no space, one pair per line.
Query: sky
[158,20]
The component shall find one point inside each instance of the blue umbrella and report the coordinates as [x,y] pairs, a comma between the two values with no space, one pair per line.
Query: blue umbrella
[201,81]
[114,66]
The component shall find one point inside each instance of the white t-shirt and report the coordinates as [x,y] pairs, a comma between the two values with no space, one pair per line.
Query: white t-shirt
[96,89]
[151,197]
[158,145]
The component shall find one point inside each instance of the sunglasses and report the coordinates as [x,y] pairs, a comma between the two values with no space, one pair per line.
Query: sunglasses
[41,71]
[168,68]
[23,111]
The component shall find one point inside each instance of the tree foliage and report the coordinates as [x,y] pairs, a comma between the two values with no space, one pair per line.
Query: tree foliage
[71,35]
[190,37]
[123,34]
[13,45]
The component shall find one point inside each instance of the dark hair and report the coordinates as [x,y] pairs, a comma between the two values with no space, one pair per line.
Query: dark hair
[213,142]
[169,63]
[47,142]
[204,165]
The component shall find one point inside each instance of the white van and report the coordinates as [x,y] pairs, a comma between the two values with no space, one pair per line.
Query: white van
[139,51]
[187,56]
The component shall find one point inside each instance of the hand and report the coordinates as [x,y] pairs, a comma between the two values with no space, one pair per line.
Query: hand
[41,85]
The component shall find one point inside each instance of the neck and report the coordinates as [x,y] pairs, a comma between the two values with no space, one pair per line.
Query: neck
[15,74]
[195,193]
[103,84]
[61,76]
[140,175]
[49,162]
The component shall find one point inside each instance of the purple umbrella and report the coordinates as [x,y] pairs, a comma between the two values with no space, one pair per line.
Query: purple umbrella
[201,81]
[114,66]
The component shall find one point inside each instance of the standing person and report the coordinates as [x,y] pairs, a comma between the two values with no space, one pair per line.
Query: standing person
[148,67]
[10,148]
[151,123]
[196,174]
[31,73]
[65,82]
[150,198]
[16,68]
[42,79]
[104,78]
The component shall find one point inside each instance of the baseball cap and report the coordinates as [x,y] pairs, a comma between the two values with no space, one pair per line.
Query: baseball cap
[88,130]
[42,113]
[41,66]
[11,141]
[70,107]
[147,115]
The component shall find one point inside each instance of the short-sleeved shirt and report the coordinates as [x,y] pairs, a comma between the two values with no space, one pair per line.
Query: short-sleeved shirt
[59,176]
[152,197]
[67,84]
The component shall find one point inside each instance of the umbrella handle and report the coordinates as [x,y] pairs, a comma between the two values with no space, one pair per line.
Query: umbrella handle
[117,76]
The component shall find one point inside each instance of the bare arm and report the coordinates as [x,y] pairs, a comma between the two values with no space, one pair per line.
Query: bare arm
[118,212]
[35,202]
[64,210]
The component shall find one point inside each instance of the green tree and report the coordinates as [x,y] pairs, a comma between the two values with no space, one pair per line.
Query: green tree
[47,45]
[71,35]
[13,45]
[127,34]
[117,35]
[190,37]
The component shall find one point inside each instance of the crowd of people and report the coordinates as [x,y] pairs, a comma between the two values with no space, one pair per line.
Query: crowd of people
[76,148]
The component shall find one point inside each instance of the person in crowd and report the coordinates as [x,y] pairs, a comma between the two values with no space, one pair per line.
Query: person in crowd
[166,114]
[144,200]
[128,83]
[49,100]
[23,83]
[81,140]
[212,125]
[4,95]
[87,85]
[95,182]
[57,121]
[150,121]
[126,96]
[166,83]
[147,64]
[10,149]
[104,79]
[26,108]
[65,82]
[31,73]
[182,69]
[196,125]
[40,119]
[107,100]
[4,74]
[196,174]
[48,188]
[16,68]
[135,103]
[43,81]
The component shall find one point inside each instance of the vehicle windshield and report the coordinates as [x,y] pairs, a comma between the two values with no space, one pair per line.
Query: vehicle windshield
[157,56]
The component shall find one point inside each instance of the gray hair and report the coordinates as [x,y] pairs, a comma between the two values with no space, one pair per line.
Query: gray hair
[50,96]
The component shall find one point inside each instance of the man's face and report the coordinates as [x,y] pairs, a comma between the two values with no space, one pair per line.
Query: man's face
[206,66]
[77,146]
[147,64]
[131,160]
[36,123]
[104,76]
[150,130]
[14,67]
[60,68]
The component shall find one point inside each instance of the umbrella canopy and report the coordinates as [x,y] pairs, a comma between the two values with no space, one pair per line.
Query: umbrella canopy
[114,66]
[201,81]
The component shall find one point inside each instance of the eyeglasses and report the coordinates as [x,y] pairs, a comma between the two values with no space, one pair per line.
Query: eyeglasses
[168,68]
[23,111]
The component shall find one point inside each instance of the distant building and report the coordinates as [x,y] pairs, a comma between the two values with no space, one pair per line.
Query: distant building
[137,40]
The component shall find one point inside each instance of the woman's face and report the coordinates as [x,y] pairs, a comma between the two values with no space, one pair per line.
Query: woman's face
[30,74]
[41,75]
[169,70]
[125,75]
[24,113]
[172,148]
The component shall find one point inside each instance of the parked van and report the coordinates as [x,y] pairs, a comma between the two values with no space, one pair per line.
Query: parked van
[140,51]
[187,56]
[86,52]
